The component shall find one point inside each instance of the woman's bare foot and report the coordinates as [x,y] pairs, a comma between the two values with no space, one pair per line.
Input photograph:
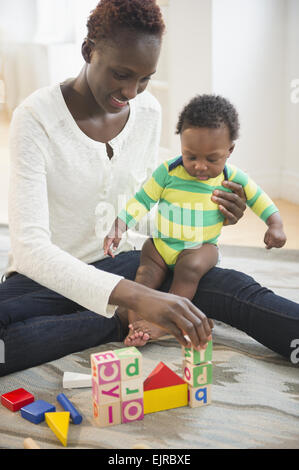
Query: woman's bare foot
[141,331]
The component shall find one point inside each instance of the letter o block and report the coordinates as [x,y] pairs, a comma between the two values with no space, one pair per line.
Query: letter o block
[132,410]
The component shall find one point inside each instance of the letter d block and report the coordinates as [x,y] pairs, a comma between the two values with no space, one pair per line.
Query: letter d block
[105,367]
[199,396]
[197,375]
[198,357]
[132,410]
[130,363]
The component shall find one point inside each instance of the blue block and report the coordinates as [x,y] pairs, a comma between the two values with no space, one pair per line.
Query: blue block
[35,412]
[68,406]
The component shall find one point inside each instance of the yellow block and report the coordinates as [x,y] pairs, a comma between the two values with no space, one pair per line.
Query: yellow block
[165,398]
[58,422]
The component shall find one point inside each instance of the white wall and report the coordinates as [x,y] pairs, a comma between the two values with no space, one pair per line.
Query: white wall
[249,69]
[290,180]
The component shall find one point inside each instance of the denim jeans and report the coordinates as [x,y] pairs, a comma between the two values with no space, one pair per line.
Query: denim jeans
[38,325]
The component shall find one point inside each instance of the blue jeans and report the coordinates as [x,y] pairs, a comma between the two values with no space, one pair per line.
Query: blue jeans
[38,325]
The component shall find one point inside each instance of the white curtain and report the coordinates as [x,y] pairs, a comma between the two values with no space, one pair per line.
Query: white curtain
[40,44]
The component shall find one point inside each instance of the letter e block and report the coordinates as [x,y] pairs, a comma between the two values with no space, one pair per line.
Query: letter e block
[130,363]
[199,396]
[197,375]
[105,367]
[132,410]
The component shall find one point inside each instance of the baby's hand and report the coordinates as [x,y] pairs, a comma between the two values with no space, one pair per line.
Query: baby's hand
[275,237]
[114,237]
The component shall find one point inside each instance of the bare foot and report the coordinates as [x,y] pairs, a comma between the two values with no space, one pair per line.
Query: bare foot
[141,332]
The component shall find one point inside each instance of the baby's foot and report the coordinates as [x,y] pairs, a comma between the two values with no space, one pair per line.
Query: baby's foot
[141,332]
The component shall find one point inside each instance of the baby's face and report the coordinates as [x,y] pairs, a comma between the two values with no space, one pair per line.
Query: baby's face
[205,151]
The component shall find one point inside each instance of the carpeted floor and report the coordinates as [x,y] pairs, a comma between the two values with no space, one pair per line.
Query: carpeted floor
[255,392]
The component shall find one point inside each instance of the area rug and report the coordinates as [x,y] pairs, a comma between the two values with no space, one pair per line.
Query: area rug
[255,392]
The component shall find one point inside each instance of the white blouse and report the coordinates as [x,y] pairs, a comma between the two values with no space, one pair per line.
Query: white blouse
[65,193]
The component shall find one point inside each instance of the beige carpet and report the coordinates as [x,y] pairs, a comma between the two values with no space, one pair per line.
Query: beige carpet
[255,393]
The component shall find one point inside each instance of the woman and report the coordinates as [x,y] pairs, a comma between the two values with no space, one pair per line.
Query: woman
[75,149]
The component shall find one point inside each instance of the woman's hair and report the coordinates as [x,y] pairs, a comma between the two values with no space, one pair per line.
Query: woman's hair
[137,15]
[209,111]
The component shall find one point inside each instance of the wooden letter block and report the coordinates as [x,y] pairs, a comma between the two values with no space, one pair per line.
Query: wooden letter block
[131,389]
[109,393]
[198,357]
[199,396]
[132,410]
[105,367]
[107,414]
[130,363]
[198,375]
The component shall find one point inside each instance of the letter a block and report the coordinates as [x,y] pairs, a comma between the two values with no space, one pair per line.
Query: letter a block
[198,357]
[197,375]
[199,396]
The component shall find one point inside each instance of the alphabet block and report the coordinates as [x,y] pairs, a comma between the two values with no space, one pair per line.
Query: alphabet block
[131,389]
[198,357]
[199,396]
[108,414]
[132,410]
[105,367]
[108,393]
[130,363]
[197,375]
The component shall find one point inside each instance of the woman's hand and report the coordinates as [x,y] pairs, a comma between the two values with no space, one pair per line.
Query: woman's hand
[232,205]
[175,314]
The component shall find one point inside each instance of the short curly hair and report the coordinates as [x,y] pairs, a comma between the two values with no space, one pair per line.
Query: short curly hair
[209,111]
[137,15]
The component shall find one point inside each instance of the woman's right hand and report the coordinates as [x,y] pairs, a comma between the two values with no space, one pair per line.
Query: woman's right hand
[176,315]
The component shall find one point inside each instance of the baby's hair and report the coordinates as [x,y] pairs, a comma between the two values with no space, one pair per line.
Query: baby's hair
[137,15]
[209,111]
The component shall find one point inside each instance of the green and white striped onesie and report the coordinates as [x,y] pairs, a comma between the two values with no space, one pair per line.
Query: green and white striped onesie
[186,215]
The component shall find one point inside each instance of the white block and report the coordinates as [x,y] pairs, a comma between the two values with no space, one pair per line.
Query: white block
[75,380]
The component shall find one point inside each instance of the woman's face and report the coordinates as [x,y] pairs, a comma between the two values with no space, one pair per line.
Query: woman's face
[121,69]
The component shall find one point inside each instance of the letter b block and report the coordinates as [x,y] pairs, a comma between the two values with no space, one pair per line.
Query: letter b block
[199,396]
[130,363]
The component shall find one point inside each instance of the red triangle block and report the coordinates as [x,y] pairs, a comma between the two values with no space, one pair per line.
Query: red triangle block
[161,377]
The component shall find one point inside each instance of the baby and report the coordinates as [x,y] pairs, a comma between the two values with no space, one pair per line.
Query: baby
[188,223]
